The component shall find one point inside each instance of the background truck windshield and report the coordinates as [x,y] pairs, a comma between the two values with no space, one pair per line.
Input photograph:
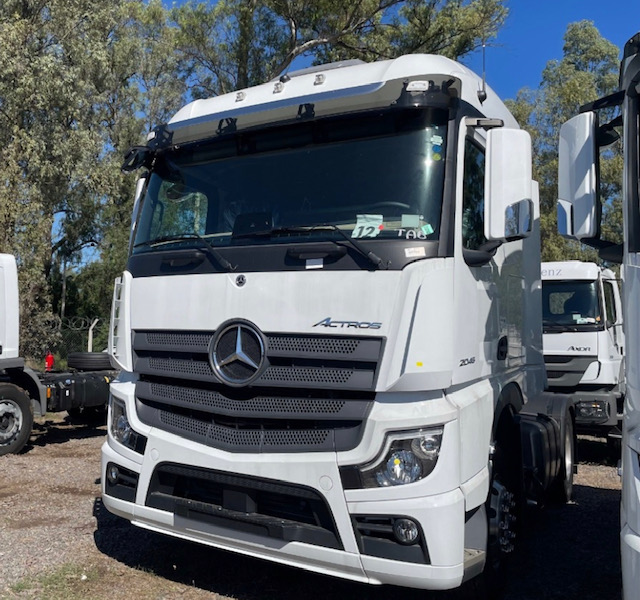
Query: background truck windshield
[373,176]
[570,303]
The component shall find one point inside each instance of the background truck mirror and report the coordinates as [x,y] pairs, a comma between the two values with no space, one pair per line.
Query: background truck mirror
[578,206]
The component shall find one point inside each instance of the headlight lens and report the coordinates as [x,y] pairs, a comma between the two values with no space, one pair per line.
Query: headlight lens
[407,458]
[120,427]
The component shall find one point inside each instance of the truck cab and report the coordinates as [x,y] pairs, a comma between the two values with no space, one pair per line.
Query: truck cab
[329,325]
[584,343]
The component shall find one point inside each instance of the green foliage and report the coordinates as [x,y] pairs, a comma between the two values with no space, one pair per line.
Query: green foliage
[237,43]
[587,71]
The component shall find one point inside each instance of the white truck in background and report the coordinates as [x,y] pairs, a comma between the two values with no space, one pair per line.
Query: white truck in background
[25,393]
[579,210]
[329,329]
[583,343]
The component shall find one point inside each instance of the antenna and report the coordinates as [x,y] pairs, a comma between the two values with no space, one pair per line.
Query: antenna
[482,94]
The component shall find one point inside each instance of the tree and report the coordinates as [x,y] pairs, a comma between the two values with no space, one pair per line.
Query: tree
[587,71]
[60,62]
[83,80]
[237,43]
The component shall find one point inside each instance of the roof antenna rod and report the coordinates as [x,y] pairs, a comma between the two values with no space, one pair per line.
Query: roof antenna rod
[482,94]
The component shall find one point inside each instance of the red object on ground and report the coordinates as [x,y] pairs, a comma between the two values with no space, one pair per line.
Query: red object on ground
[48,362]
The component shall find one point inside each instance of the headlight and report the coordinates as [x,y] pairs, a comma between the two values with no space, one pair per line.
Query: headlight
[407,457]
[121,430]
[592,409]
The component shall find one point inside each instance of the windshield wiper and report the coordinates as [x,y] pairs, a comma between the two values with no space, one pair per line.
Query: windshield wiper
[189,236]
[373,258]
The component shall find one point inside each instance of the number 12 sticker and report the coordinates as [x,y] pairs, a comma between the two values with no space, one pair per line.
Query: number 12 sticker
[368,226]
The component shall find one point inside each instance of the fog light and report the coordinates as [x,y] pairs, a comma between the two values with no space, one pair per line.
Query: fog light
[406,531]
[112,474]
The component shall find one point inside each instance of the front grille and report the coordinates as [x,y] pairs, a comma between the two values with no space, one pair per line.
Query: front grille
[344,363]
[259,506]
[313,394]
[564,372]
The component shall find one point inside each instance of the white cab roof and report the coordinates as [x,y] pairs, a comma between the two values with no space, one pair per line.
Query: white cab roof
[332,83]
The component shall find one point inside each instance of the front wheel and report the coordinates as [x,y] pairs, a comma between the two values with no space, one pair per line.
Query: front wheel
[16,418]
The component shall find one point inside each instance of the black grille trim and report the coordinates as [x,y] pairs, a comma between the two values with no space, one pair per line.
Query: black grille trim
[317,362]
[259,435]
[263,507]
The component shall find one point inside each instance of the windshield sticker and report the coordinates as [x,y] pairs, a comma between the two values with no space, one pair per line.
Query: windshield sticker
[410,221]
[418,252]
[368,226]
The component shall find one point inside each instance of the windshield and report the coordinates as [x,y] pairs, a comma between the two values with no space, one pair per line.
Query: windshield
[570,303]
[374,176]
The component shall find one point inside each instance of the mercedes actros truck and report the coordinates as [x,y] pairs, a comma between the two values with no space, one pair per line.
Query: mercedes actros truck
[329,328]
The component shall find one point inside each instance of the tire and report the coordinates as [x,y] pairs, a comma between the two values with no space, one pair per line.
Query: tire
[16,418]
[561,490]
[89,361]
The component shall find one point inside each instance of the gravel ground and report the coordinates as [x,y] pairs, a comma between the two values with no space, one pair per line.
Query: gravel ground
[52,521]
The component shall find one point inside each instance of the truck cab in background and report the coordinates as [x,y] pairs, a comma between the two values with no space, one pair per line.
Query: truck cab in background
[24,393]
[583,343]
[579,211]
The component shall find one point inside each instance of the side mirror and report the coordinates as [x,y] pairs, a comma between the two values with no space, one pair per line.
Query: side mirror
[578,205]
[509,201]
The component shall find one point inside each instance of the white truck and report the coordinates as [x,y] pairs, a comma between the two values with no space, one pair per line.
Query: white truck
[329,329]
[579,212]
[25,392]
[583,343]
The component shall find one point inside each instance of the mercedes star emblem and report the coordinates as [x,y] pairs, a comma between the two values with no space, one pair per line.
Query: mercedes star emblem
[237,353]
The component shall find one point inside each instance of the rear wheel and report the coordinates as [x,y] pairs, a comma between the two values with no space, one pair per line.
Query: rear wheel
[561,490]
[16,418]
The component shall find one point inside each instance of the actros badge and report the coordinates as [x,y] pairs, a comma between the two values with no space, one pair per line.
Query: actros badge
[329,322]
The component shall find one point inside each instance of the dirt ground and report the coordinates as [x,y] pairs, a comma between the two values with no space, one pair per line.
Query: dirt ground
[58,542]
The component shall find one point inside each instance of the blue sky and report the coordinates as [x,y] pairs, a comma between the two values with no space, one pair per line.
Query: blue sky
[533,35]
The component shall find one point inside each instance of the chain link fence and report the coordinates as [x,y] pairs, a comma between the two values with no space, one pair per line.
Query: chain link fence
[79,334]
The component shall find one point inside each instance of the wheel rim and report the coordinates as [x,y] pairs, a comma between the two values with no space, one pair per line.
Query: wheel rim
[502,520]
[10,420]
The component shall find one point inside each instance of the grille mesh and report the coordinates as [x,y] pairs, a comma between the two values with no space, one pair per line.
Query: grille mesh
[311,375]
[193,340]
[216,435]
[204,398]
[313,345]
